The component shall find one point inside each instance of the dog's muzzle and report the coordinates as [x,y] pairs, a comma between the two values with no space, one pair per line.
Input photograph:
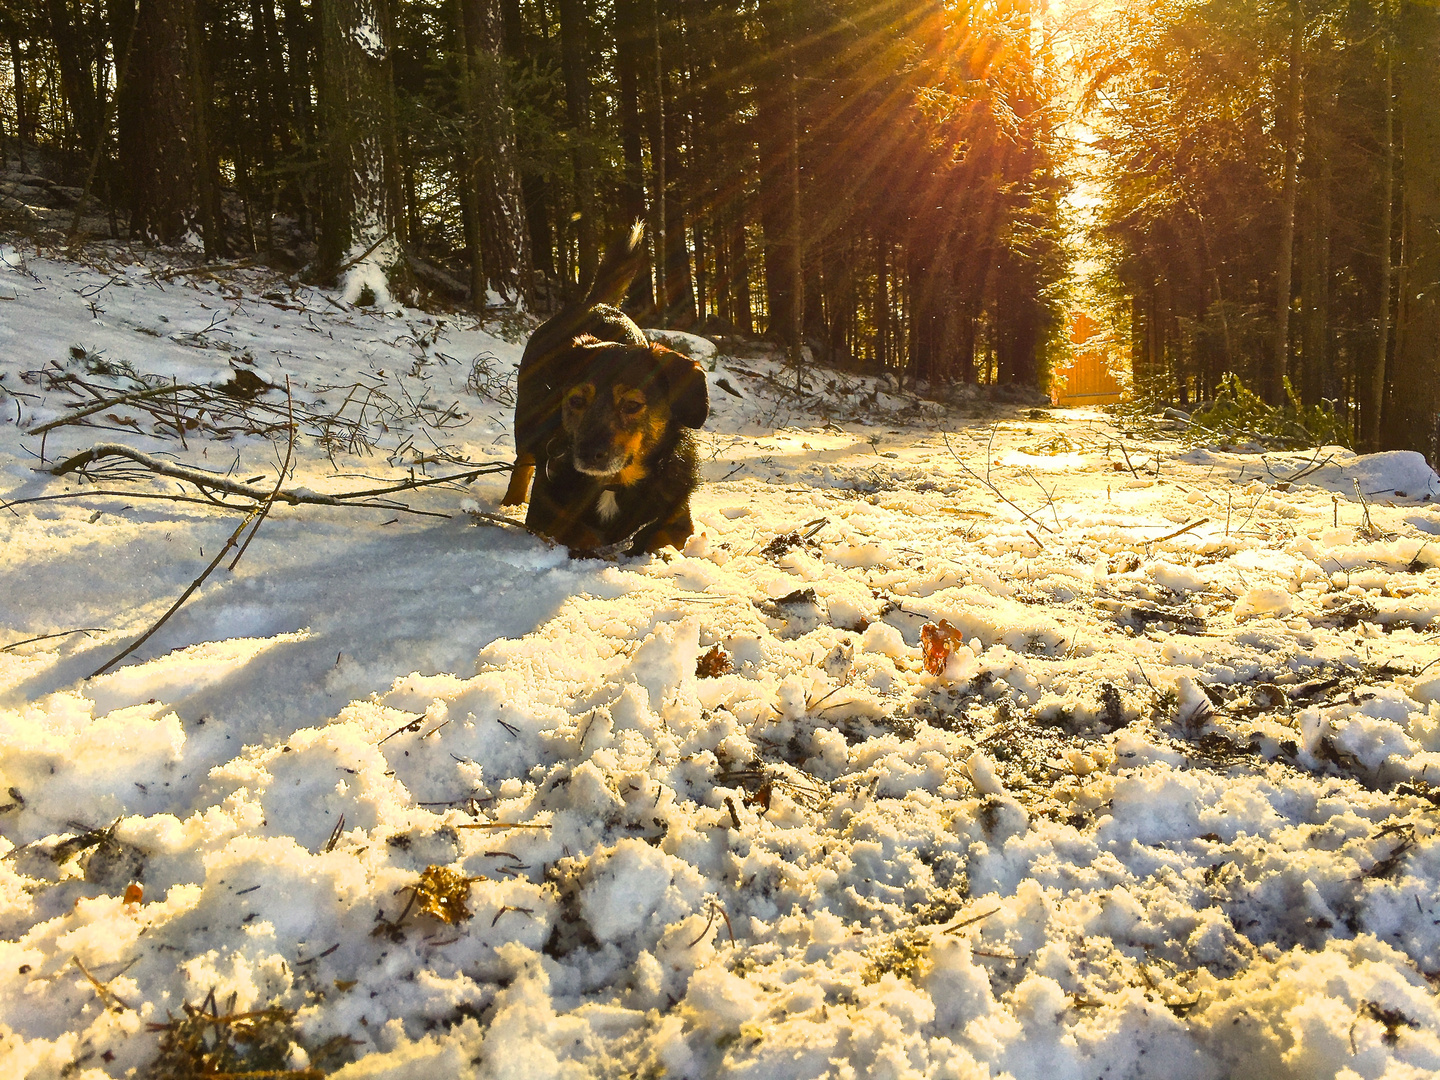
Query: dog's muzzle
[598,460]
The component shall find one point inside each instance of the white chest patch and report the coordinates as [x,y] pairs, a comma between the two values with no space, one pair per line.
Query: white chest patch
[607,507]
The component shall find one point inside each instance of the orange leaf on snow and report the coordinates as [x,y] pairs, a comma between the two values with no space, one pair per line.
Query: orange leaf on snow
[937,642]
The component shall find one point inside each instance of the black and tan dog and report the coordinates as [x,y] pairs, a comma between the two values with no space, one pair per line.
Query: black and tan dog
[602,424]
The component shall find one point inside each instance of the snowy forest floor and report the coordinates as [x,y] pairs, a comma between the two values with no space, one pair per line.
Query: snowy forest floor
[448,803]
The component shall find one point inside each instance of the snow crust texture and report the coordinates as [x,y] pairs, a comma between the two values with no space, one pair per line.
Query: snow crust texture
[1160,808]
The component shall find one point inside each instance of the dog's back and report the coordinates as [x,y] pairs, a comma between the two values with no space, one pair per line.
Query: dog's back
[545,360]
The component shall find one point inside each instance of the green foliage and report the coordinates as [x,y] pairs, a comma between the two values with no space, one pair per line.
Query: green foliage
[1239,413]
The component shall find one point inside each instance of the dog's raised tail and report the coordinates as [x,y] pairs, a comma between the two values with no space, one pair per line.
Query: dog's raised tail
[623,260]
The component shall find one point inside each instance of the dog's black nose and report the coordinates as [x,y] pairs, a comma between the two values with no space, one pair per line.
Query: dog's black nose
[594,459]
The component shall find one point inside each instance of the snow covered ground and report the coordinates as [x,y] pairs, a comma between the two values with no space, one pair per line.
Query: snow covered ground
[1160,807]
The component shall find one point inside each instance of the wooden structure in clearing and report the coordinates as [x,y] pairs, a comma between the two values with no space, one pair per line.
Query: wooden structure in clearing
[1087,380]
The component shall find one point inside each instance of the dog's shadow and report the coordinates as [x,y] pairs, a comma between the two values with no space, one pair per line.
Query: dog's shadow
[307,624]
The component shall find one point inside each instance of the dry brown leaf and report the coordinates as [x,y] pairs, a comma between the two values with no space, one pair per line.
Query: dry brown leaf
[937,642]
[441,892]
[713,664]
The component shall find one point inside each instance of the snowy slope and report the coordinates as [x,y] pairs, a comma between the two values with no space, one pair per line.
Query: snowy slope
[1163,812]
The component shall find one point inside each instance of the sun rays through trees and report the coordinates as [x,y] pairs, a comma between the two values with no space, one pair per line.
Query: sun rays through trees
[886,185]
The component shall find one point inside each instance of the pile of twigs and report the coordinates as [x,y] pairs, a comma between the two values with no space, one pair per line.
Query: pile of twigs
[239,407]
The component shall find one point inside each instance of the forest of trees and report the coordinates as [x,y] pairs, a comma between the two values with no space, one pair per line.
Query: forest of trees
[1270,178]
[884,182]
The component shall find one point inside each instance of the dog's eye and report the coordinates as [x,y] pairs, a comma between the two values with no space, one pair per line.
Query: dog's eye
[576,400]
[631,407]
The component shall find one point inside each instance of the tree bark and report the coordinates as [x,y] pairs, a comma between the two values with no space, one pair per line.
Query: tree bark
[1415,388]
[738,264]
[1274,384]
[24,122]
[777,131]
[575,61]
[632,46]
[503,233]
[1375,402]
[163,140]
[74,49]
[362,228]
[534,188]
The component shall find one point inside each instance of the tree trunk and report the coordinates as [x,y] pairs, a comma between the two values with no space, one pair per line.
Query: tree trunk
[504,237]
[299,43]
[73,49]
[1375,401]
[1315,383]
[362,227]
[1274,383]
[1415,387]
[657,158]
[882,304]
[632,46]
[575,61]
[777,130]
[679,308]
[24,121]
[163,144]
[739,266]
[534,188]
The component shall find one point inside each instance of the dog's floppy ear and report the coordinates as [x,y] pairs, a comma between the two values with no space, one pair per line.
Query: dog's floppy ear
[686,387]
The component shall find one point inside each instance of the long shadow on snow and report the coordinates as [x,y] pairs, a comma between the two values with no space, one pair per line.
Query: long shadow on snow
[426,600]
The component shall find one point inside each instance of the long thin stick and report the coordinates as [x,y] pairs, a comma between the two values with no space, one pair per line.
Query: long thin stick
[230,543]
[1003,497]
[47,637]
[1178,532]
[214,481]
[284,471]
[139,395]
[213,503]
[257,515]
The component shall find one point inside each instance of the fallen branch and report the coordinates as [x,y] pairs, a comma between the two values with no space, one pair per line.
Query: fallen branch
[1178,532]
[205,268]
[209,481]
[230,543]
[104,991]
[284,471]
[999,494]
[109,403]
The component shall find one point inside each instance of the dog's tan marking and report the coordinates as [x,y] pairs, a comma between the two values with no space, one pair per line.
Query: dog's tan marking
[520,477]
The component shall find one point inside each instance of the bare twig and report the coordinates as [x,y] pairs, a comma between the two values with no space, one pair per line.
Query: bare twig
[106,994]
[270,499]
[409,725]
[204,268]
[210,481]
[47,637]
[230,543]
[358,259]
[504,825]
[969,922]
[1178,532]
[110,403]
[998,493]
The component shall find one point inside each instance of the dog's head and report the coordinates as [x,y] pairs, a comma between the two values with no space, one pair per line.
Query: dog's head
[622,401]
